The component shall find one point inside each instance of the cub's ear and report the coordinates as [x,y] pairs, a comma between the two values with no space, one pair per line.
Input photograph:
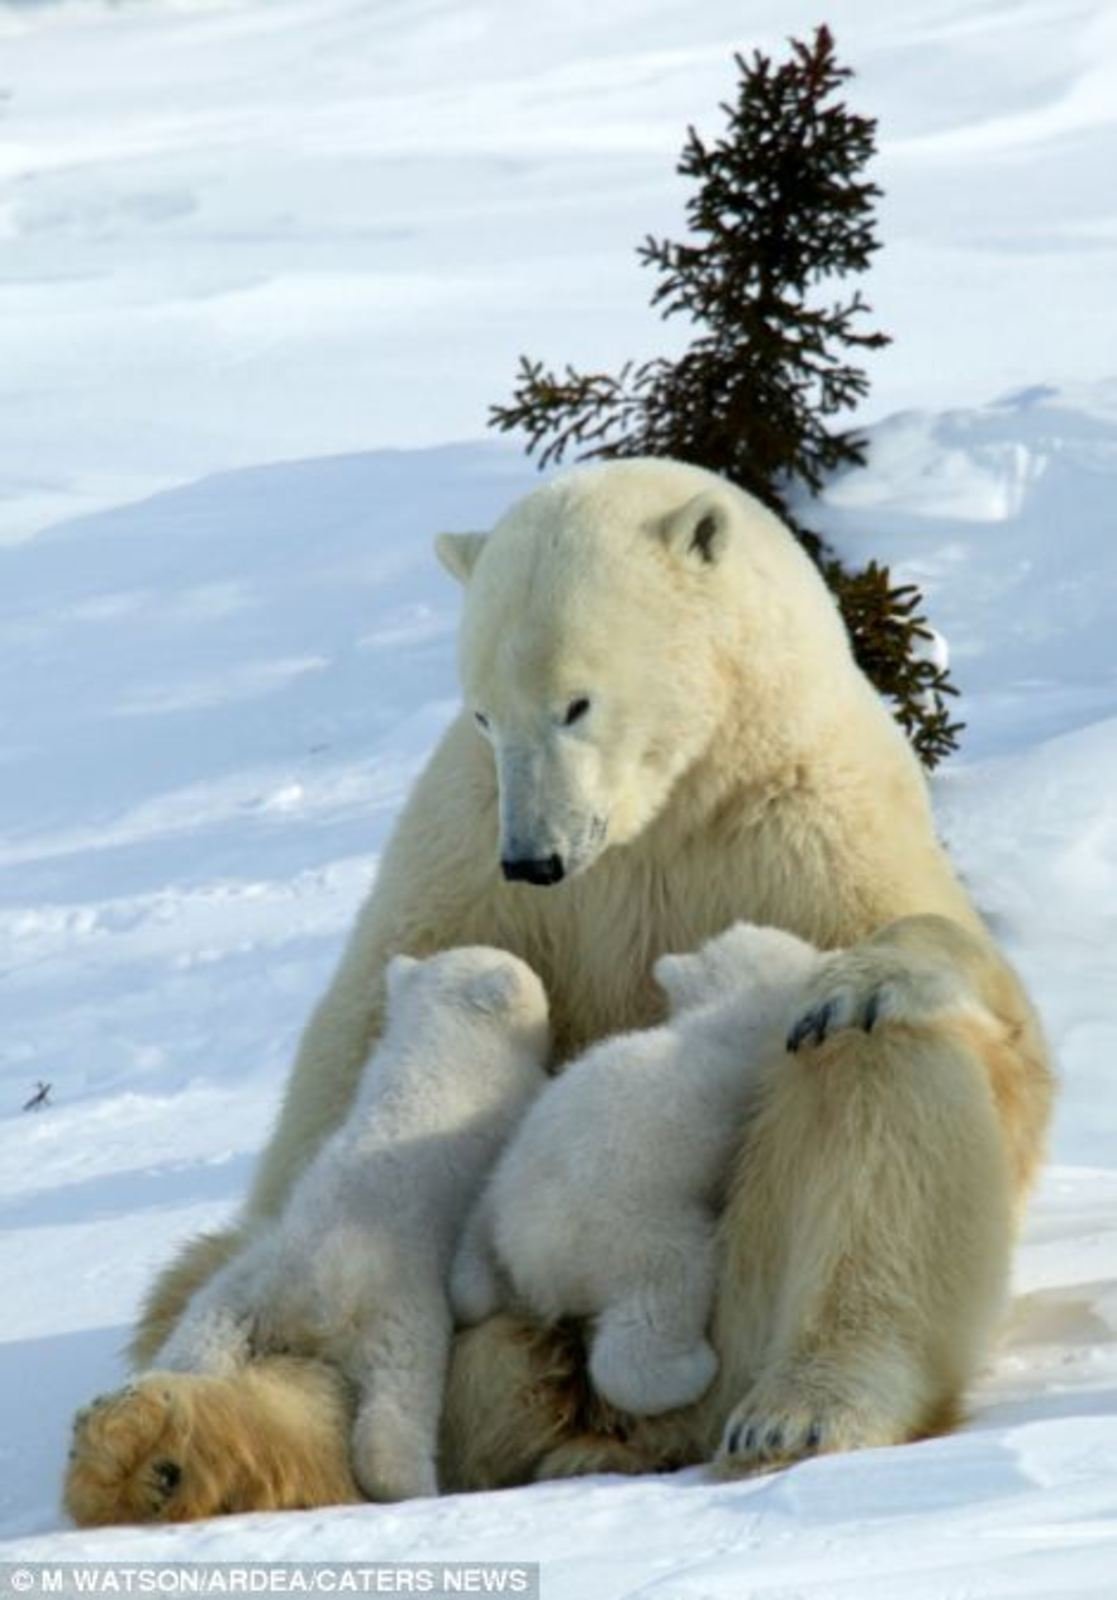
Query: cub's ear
[698,531]
[397,973]
[494,991]
[680,978]
[458,553]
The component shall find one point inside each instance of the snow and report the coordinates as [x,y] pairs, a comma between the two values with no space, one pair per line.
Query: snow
[313,235]
[236,232]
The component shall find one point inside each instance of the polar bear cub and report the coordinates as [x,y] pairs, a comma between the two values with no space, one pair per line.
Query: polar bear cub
[355,1269]
[604,1203]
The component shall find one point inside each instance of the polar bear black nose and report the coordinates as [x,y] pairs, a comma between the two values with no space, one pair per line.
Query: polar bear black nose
[539,870]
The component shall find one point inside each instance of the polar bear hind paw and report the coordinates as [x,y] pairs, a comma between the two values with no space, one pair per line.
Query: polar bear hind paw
[177,1446]
[126,1459]
[646,1383]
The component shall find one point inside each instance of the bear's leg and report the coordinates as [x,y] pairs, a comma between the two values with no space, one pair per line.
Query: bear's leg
[400,1372]
[173,1289]
[921,970]
[215,1333]
[514,1392]
[649,1351]
[596,1453]
[213,1337]
[173,1447]
[520,1407]
[879,1166]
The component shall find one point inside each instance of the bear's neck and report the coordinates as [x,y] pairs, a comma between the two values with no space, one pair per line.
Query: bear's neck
[782,801]
[793,720]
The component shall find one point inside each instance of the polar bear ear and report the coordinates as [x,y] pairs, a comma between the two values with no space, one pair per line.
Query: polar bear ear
[680,978]
[397,973]
[698,531]
[493,991]
[458,553]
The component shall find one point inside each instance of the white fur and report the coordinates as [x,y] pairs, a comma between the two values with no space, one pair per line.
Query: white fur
[604,1204]
[355,1268]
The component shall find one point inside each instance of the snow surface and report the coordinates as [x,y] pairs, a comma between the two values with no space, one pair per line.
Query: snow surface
[235,231]
[239,233]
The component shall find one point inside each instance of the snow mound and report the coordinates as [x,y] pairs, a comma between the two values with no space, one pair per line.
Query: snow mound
[1005,517]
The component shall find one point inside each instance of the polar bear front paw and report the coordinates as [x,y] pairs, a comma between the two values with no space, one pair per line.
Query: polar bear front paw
[782,1421]
[867,988]
[758,1436]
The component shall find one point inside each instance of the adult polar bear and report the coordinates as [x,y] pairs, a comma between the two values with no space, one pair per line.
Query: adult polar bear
[664,731]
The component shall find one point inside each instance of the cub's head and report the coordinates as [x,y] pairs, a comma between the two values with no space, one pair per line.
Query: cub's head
[472,985]
[763,964]
[606,618]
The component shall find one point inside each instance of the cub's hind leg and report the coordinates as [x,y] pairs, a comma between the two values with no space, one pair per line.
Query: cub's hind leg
[399,1368]
[649,1352]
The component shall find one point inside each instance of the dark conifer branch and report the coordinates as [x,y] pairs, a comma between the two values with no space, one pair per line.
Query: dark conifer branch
[780,206]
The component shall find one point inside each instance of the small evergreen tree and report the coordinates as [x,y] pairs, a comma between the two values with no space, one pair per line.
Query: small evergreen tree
[780,206]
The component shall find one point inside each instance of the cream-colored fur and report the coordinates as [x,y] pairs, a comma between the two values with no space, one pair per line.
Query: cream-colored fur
[174,1448]
[732,763]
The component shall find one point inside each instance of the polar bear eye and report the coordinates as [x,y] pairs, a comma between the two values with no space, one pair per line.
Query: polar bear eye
[575,711]
[481,720]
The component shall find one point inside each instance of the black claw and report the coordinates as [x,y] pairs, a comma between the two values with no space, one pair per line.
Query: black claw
[814,1436]
[823,1018]
[813,1025]
[168,1476]
[734,1439]
[750,1438]
[872,1011]
[774,1440]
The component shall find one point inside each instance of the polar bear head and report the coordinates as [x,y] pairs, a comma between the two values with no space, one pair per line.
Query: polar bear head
[766,966]
[469,1002]
[476,977]
[613,618]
